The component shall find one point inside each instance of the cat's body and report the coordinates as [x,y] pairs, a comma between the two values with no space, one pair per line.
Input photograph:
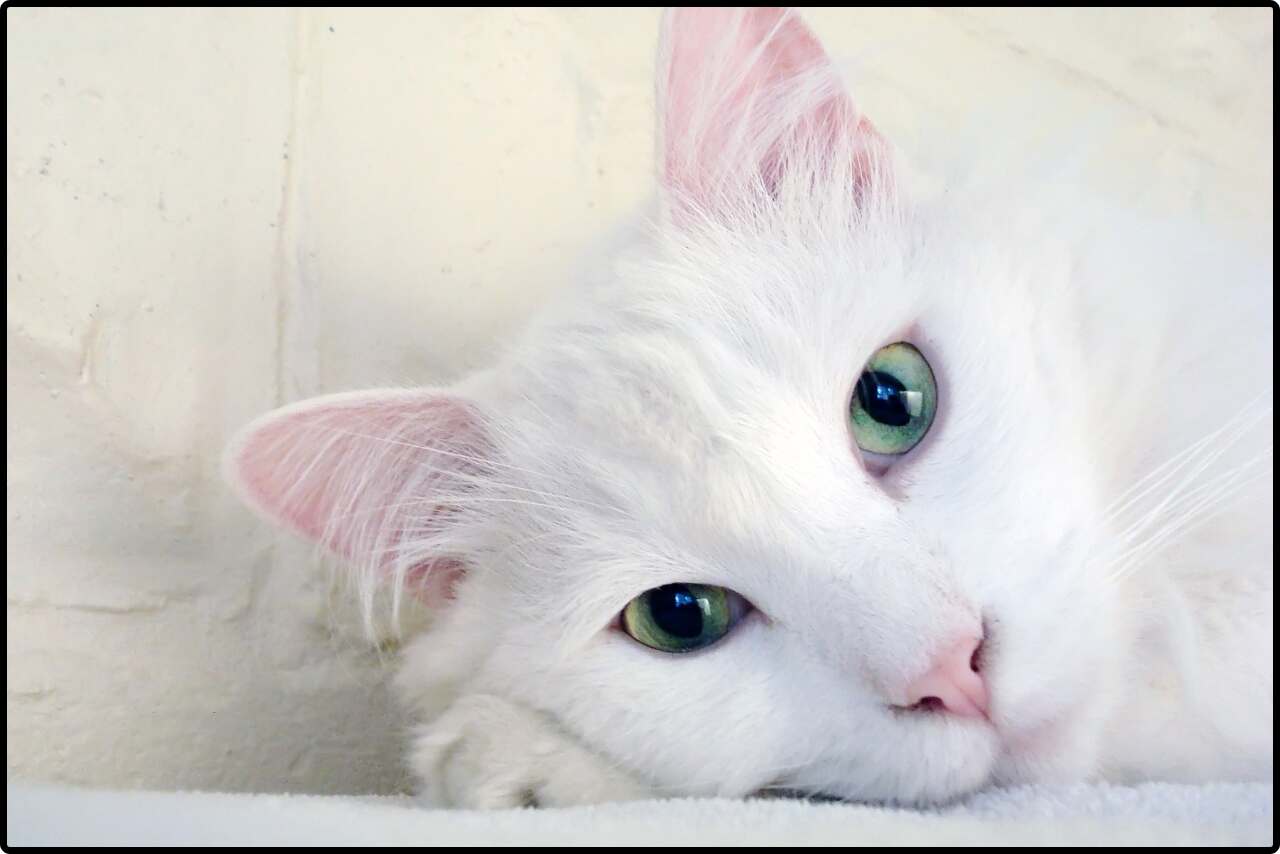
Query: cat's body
[685,420]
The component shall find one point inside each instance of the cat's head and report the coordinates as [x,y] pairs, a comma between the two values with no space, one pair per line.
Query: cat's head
[797,499]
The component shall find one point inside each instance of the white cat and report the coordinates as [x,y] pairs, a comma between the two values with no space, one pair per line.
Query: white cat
[831,486]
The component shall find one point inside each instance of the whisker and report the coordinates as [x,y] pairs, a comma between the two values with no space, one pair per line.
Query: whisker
[1197,468]
[1189,517]
[1159,475]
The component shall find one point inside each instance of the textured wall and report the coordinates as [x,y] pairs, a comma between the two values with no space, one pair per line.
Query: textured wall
[211,213]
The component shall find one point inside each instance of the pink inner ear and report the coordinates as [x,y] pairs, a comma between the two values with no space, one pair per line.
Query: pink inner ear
[366,475]
[436,581]
[746,84]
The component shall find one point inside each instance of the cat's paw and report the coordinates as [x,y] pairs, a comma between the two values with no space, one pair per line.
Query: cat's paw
[485,752]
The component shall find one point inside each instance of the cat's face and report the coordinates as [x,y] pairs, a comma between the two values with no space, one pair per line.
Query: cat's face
[690,424]
[712,444]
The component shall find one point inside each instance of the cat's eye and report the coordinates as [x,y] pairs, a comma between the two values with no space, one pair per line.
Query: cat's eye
[894,402]
[683,617]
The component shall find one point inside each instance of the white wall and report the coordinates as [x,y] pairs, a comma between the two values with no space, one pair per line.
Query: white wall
[214,212]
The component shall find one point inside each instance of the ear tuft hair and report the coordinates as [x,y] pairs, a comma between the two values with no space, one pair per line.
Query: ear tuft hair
[750,103]
[378,477]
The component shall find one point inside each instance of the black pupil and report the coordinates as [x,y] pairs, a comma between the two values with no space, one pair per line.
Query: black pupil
[881,396]
[675,610]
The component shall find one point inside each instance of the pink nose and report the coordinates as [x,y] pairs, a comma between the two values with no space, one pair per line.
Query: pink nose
[953,682]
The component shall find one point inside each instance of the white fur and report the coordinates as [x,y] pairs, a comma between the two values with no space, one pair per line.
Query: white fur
[683,420]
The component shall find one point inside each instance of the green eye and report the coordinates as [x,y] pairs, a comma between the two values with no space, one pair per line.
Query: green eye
[682,617]
[894,402]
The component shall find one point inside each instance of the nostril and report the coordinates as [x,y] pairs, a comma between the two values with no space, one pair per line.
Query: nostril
[952,683]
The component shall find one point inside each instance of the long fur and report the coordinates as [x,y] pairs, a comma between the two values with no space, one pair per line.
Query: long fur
[1096,491]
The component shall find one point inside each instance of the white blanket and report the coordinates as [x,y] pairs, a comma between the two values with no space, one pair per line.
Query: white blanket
[1151,814]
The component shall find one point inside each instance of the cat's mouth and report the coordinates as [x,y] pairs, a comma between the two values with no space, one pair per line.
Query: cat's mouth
[777,793]
[780,792]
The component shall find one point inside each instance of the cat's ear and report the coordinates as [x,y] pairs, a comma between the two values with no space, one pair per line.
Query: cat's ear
[376,477]
[745,95]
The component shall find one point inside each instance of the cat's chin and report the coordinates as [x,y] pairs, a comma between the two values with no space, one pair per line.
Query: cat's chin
[1055,751]
[934,768]
[1058,749]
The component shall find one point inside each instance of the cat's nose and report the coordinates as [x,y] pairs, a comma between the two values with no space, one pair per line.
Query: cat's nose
[952,683]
